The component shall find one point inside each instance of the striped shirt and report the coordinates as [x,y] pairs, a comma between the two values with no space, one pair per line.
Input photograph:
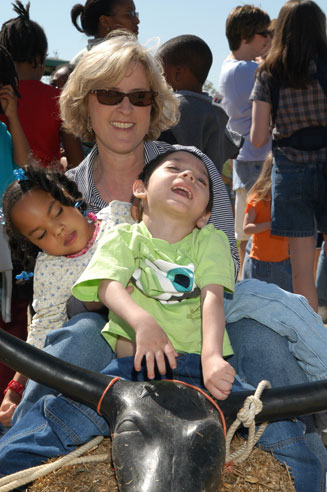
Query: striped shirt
[221,213]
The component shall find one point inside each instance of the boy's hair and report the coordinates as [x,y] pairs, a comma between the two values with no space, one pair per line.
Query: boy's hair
[104,66]
[157,161]
[300,36]
[244,22]
[24,39]
[261,190]
[90,14]
[188,50]
[60,188]
[8,74]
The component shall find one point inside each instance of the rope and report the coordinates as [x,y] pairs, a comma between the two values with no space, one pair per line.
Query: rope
[246,416]
[10,482]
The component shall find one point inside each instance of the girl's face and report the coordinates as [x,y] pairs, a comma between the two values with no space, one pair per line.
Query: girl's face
[56,229]
[121,129]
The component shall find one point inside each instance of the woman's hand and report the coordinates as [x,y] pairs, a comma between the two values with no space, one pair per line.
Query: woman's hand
[153,344]
[218,376]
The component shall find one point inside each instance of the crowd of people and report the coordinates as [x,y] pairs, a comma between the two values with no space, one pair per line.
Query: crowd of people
[114,205]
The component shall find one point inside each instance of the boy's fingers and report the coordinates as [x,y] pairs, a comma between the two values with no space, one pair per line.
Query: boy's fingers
[138,360]
[160,360]
[150,364]
[171,356]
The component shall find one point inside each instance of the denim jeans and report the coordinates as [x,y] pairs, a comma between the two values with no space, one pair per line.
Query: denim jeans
[273,272]
[298,204]
[56,425]
[287,314]
[79,342]
[321,277]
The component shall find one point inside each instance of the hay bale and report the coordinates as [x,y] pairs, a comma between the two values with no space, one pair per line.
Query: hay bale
[260,473]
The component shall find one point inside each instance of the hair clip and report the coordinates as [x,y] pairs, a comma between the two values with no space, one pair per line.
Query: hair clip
[79,204]
[20,175]
[2,217]
[24,275]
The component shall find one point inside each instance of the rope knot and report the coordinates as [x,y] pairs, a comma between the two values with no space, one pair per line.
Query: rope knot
[252,406]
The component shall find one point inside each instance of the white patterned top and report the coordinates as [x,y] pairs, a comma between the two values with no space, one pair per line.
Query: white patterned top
[54,277]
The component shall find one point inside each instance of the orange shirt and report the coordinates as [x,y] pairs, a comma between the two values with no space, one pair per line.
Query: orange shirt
[266,247]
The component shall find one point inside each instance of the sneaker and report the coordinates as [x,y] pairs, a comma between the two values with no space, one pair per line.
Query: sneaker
[322,311]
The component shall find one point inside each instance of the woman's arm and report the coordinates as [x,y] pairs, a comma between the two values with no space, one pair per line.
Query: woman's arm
[260,128]
[73,149]
[218,374]
[151,341]
[249,225]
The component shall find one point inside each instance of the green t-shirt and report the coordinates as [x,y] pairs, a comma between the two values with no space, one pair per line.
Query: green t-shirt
[167,279]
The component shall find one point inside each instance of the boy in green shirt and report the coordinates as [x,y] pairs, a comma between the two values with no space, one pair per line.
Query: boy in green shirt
[179,268]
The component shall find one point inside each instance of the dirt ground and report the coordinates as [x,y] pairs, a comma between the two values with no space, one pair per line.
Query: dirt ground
[260,473]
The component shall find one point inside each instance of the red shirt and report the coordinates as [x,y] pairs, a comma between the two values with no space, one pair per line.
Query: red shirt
[38,111]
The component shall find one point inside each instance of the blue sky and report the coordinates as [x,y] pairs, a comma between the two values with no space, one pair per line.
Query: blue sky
[160,21]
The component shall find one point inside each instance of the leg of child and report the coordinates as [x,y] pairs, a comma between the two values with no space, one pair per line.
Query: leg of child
[302,253]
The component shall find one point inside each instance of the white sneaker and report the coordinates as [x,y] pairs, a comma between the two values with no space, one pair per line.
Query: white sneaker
[322,311]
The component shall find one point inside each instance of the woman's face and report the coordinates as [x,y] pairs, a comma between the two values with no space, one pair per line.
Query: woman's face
[121,129]
[124,17]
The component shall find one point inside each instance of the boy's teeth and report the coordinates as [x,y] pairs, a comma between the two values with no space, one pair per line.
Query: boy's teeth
[121,125]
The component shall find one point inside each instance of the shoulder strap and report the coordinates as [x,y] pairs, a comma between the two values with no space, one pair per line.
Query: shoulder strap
[274,95]
[322,74]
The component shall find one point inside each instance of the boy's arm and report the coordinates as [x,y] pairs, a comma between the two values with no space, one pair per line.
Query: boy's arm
[249,224]
[21,148]
[218,374]
[151,341]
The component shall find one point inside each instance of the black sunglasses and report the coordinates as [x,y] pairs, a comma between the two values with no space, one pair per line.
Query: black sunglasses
[265,33]
[111,97]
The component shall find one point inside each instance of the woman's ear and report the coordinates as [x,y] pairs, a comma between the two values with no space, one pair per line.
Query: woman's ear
[139,190]
[203,220]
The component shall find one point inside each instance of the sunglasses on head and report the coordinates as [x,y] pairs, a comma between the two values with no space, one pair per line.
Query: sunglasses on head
[111,97]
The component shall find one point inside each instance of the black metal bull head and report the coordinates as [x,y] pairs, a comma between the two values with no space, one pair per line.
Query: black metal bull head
[166,436]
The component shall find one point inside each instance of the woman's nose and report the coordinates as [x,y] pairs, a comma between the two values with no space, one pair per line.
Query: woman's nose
[126,105]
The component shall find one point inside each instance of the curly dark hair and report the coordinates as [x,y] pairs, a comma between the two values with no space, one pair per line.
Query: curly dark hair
[60,187]
[24,39]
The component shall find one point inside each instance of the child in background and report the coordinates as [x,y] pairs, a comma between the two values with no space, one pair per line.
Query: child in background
[268,259]
[179,267]
[44,217]
[38,108]
[14,150]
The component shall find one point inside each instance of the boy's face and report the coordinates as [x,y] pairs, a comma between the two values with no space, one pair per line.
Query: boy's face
[259,44]
[179,187]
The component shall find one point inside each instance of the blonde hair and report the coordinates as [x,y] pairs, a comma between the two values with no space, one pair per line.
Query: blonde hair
[261,190]
[104,66]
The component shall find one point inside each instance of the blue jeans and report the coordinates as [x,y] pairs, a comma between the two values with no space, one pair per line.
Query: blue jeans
[321,277]
[273,272]
[56,425]
[298,204]
[79,342]
[287,314]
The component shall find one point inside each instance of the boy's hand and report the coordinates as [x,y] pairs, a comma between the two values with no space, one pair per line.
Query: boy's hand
[218,376]
[153,344]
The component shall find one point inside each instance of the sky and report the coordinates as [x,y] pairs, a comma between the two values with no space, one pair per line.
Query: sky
[160,20]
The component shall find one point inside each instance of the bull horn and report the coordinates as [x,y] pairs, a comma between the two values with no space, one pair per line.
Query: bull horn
[87,386]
